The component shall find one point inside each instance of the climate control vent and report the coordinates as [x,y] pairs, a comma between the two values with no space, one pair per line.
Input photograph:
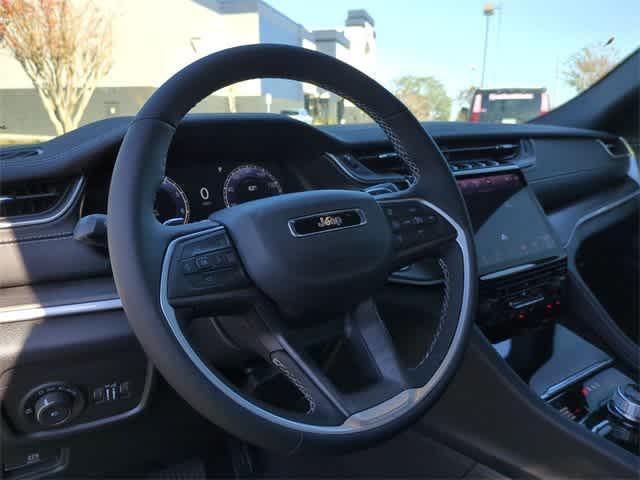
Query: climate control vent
[33,200]
[385,163]
[512,285]
[13,154]
[615,148]
[373,168]
[470,158]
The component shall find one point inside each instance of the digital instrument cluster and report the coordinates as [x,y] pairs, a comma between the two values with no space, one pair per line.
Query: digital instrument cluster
[190,194]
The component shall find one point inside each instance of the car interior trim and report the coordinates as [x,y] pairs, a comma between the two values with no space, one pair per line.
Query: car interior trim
[575,378]
[349,174]
[80,427]
[31,312]
[508,271]
[395,278]
[600,211]
[390,177]
[366,419]
[49,217]
[616,155]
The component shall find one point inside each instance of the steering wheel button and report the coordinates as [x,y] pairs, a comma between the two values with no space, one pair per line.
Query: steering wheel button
[205,245]
[189,267]
[220,259]
[204,262]
[406,223]
[230,258]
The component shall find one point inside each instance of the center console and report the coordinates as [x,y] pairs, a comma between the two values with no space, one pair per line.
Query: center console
[523,305]
[522,267]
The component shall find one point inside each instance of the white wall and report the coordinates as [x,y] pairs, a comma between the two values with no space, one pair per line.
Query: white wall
[363,53]
[153,39]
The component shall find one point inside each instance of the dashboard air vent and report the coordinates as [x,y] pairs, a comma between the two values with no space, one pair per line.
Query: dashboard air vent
[32,198]
[21,153]
[464,158]
[615,147]
[384,163]
[386,166]
[530,279]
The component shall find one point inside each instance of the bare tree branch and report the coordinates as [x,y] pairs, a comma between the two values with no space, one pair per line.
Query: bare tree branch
[64,48]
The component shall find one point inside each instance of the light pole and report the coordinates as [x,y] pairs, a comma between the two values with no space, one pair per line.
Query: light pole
[488,11]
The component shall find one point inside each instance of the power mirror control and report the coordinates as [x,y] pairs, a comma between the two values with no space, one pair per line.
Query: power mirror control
[53,404]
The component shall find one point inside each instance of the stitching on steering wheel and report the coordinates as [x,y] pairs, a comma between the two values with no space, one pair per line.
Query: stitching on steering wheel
[305,393]
[395,142]
[443,310]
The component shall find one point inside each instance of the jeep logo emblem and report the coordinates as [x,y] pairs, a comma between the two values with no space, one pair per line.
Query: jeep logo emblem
[330,221]
[326,222]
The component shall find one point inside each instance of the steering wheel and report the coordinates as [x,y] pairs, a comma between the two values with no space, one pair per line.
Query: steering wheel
[290,263]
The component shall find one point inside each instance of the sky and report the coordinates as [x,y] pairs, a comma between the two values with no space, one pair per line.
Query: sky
[529,43]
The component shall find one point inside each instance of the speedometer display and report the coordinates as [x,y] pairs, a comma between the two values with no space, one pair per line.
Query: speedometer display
[172,204]
[249,182]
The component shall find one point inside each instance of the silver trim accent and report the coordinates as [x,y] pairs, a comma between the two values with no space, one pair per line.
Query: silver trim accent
[477,171]
[508,271]
[386,178]
[575,378]
[626,407]
[359,212]
[29,312]
[526,303]
[598,428]
[613,155]
[68,202]
[395,278]
[367,419]
[353,176]
[599,211]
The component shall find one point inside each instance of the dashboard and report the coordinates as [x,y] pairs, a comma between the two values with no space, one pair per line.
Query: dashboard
[530,191]
[514,179]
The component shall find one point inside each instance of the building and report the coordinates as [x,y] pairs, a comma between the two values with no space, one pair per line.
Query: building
[152,40]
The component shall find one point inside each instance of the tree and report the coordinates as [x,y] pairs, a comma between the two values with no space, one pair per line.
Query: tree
[590,64]
[64,48]
[465,96]
[424,96]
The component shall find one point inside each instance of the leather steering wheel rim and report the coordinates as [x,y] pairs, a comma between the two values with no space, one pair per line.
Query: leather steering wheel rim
[141,248]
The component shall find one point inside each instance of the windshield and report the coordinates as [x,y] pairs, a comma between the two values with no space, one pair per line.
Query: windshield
[66,63]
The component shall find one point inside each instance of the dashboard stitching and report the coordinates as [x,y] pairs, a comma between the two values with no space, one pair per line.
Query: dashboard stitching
[443,310]
[37,239]
[305,393]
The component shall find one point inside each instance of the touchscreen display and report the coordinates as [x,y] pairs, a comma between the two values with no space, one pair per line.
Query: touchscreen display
[510,227]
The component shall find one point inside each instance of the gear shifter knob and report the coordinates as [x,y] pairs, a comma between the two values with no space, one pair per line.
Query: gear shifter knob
[626,402]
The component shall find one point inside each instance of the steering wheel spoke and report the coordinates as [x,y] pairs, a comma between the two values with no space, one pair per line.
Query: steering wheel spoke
[419,229]
[334,389]
[202,266]
[264,333]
